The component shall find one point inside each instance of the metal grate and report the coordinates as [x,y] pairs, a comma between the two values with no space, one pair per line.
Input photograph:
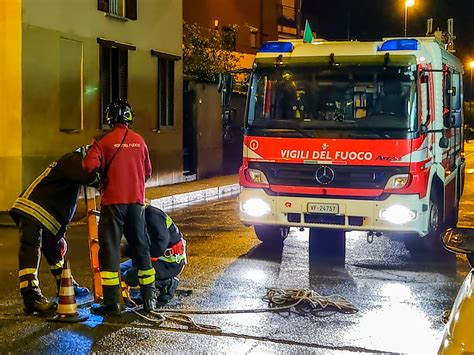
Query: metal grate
[116,7]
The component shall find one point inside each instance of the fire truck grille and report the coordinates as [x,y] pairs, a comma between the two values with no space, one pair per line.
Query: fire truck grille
[345,176]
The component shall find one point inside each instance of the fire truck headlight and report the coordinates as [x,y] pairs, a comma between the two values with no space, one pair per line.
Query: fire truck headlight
[397,181]
[397,214]
[257,176]
[255,207]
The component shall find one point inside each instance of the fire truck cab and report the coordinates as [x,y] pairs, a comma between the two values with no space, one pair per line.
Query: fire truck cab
[353,136]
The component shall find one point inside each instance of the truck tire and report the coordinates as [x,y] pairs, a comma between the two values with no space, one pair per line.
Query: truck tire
[327,245]
[431,243]
[269,234]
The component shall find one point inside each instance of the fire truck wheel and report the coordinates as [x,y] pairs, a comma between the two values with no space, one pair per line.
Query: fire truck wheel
[270,234]
[431,243]
[470,258]
[327,245]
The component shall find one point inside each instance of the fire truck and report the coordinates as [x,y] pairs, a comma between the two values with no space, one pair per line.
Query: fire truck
[353,136]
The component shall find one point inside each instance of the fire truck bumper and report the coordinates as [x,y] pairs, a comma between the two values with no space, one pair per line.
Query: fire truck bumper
[396,213]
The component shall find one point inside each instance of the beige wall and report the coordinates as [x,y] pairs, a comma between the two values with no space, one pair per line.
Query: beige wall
[10,102]
[159,27]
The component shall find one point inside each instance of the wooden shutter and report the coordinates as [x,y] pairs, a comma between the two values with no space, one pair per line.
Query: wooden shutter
[131,9]
[103,5]
[123,74]
[105,80]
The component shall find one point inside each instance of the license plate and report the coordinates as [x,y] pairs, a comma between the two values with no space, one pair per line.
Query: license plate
[326,208]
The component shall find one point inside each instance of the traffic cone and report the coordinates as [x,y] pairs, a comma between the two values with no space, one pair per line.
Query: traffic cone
[67,306]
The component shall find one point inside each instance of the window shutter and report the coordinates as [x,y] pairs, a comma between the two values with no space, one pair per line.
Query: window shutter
[123,74]
[131,9]
[105,80]
[103,5]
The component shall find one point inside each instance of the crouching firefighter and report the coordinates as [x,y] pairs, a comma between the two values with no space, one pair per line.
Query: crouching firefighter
[168,254]
[42,213]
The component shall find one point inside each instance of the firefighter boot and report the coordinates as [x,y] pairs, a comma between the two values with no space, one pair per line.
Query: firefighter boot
[35,302]
[110,306]
[148,297]
[167,289]
[79,291]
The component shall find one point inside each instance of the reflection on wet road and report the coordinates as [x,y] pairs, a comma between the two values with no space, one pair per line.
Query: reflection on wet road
[400,297]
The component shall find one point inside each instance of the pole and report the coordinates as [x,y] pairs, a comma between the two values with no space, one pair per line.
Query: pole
[298,4]
[470,97]
[406,19]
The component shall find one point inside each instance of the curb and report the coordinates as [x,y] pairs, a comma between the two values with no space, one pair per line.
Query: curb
[176,201]
[194,197]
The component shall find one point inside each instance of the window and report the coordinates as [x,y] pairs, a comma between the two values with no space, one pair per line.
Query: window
[113,73]
[228,38]
[70,85]
[166,65]
[253,37]
[121,8]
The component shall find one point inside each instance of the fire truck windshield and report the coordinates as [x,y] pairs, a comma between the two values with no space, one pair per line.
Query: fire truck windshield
[346,101]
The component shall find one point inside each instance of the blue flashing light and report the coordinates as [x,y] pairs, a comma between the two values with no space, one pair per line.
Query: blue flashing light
[405,44]
[276,47]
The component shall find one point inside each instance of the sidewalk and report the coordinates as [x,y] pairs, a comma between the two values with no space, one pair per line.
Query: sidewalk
[169,196]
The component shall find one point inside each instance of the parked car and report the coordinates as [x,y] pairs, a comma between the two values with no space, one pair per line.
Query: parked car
[458,337]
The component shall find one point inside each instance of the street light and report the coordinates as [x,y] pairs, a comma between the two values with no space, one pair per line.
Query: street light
[408,3]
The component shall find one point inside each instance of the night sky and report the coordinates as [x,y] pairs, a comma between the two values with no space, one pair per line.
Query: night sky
[374,19]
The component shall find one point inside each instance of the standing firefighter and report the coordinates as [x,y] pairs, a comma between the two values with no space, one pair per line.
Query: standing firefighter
[42,213]
[121,156]
[168,254]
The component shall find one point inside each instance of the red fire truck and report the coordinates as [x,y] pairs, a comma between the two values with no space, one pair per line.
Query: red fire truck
[353,136]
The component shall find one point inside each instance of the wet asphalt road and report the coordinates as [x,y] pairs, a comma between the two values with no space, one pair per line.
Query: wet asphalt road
[400,297]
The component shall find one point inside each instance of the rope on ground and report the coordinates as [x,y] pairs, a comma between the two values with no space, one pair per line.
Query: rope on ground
[278,299]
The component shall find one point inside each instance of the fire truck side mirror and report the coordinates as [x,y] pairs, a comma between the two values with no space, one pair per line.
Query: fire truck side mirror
[444,142]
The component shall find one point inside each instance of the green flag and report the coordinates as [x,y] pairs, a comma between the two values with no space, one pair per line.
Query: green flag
[308,34]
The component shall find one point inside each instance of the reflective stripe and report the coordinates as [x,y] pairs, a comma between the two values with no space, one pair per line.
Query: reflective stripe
[27,271]
[146,272]
[25,284]
[30,211]
[45,173]
[173,258]
[110,282]
[108,274]
[169,221]
[57,265]
[41,210]
[147,280]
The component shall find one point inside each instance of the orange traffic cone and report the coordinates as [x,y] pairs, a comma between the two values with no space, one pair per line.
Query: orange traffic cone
[67,307]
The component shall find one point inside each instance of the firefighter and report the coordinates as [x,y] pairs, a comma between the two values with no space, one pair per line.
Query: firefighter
[42,213]
[121,157]
[167,250]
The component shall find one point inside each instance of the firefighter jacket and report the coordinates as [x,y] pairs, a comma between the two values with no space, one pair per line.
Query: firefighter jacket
[166,241]
[121,157]
[51,199]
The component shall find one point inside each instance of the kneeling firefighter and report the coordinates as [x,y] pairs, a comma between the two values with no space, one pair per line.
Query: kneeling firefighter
[167,250]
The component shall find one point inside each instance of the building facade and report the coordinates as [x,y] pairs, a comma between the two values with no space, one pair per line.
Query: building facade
[63,62]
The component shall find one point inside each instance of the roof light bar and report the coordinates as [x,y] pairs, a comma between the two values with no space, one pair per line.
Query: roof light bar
[405,44]
[276,47]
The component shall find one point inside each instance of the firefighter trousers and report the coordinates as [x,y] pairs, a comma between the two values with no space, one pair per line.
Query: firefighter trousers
[33,241]
[127,220]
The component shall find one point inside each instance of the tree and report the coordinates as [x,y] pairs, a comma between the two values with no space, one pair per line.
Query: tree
[206,53]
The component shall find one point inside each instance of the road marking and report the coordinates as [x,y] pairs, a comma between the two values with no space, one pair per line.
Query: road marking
[294,268]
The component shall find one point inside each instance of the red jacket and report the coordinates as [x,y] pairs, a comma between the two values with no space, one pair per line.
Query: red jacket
[124,174]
